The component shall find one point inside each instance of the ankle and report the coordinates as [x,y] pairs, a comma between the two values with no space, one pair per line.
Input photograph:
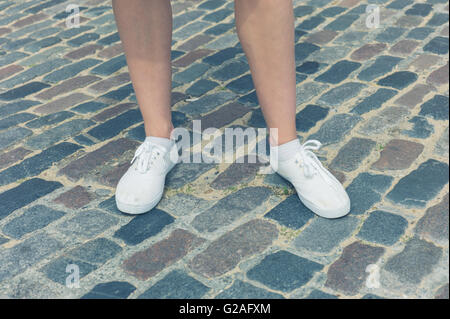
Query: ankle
[160,130]
[275,140]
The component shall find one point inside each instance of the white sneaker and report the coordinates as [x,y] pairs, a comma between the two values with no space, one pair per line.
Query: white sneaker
[141,187]
[316,187]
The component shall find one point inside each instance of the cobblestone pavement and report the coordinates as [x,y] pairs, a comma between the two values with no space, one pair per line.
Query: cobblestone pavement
[377,97]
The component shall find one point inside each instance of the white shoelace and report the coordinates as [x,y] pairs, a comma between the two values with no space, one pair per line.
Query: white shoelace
[308,160]
[146,155]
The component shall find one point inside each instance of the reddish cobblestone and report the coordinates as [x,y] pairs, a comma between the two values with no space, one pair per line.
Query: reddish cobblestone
[404,47]
[9,70]
[105,85]
[191,57]
[75,198]
[29,20]
[322,37]
[107,153]
[67,86]
[113,111]
[4,31]
[434,225]
[348,273]
[439,77]
[111,51]
[348,3]
[415,96]
[147,263]
[13,156]
[368,51]
[83,52]
[62,103]
[195,42]
[398,154]
[424,62]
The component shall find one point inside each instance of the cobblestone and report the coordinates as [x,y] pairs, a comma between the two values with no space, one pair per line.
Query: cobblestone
[379,222]
[176,285]
[23,91]
[415,96]
[58,133]
[398,154]
[323,235]
[287,271]
[291,213]
[365,190]
[33,72]
[381,66]
[340,94]
[398,80]
[436,108]
[62,103]
[374,101]
[376,98]
[415,261]
[34,165]
[87,224]
[348,273]
[427,180]
[335,128]
[17,154]
[15,119]
[338,72]
[244,290]
[387,119]
[110,290]
[439,76]
[230,208]
[434,224]
[147,263]
[75,198]
[18,258]
[421,128]
[143,226]
[368,51]
[32,219]
[438,45]
[352,154]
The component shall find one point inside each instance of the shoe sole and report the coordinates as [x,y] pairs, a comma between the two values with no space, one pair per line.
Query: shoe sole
[329,215]
[138,209]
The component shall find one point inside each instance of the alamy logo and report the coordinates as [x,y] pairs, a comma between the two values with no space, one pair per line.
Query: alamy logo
[373,16]
[373,279]
[232,145]
[73,19]
[73,280]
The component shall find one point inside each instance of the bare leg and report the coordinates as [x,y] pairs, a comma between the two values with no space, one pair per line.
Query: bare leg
[266,32]
[145,28]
